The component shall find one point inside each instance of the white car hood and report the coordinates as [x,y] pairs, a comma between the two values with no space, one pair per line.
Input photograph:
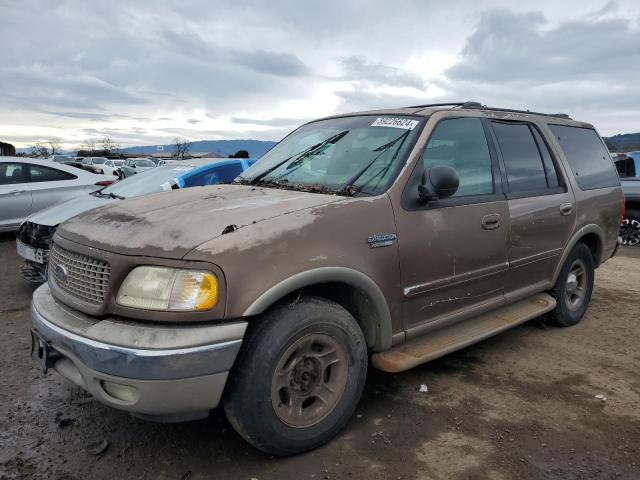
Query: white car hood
[57,214]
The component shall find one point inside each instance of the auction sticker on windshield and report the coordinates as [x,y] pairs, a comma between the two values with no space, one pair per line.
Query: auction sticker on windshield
[395,122]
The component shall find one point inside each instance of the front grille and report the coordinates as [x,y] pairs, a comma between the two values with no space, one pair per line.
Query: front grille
[80,276]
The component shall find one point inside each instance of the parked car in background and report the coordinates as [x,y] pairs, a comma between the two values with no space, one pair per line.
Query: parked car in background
[109,168]
[396,236]
[135,165]
[35,233]
[89,163]
[30,185]
[61,158]
[628,166]
[165,162]
[67,160]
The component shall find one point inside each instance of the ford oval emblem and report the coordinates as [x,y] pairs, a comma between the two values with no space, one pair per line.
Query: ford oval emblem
[61,272]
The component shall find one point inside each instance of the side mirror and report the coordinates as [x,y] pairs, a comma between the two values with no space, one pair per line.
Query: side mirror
[437,183]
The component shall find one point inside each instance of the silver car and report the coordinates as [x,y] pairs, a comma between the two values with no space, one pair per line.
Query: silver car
[29,185]
[34,236]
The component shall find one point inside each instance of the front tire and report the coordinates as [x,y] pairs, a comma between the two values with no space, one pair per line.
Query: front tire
[298,378]
[573,287]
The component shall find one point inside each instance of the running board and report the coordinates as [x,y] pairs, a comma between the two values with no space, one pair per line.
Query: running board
[448,339]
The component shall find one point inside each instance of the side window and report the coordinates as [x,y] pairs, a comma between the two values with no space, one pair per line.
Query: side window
[522,159]
[212,176]
[39,173]
[12,173]
[589,159]
[227,173]
[461,144]
[626,167]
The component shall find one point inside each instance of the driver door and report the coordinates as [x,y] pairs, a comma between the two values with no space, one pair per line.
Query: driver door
[454,251]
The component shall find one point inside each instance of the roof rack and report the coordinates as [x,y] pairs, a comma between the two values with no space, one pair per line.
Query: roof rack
[450,104]
[478,105]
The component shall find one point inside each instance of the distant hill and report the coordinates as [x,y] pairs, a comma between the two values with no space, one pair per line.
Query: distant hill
[256,148]
[627,142]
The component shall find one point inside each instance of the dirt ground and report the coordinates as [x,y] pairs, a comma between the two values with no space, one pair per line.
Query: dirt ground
[520,405]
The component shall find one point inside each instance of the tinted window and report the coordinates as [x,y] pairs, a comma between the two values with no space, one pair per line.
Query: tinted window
[12,173]
[525,171]
[212,176]
[587,156]
[460,143]
[626,167]
[45,174]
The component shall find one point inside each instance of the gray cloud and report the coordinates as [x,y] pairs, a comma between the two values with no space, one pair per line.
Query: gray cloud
[362,70]
[271,122]
[204,63]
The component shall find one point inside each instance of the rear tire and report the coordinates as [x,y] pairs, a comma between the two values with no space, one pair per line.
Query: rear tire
[573,287]
[630,228]
[298,377]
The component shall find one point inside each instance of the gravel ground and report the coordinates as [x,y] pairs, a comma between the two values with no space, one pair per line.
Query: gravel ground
[519,405]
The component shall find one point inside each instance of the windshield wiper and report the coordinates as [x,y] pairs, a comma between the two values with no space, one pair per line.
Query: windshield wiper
[113,195]
[301,155]
[350,188]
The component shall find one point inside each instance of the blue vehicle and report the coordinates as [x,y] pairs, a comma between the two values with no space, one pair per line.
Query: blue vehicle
[35,233]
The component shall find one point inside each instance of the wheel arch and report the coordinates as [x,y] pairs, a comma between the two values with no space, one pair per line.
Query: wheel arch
[353,290]
[592,236]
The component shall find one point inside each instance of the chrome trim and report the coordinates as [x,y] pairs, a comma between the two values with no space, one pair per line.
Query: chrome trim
[536,257]
[455,279]
[144,364]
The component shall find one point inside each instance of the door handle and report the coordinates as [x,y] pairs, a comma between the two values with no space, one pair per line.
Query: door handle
[491,221]
[566,209]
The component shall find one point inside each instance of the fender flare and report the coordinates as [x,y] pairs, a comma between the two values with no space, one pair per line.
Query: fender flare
[591,228]
[321,275]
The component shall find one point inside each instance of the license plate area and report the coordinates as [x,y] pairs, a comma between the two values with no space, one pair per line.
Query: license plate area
[30,253]
[42,352]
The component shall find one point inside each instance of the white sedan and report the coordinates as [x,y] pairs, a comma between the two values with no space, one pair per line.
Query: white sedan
[109,167]
[29,185]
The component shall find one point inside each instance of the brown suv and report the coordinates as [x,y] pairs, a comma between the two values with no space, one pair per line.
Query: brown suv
[396,236]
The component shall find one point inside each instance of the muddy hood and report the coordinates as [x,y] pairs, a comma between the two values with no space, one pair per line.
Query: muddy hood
[171,224]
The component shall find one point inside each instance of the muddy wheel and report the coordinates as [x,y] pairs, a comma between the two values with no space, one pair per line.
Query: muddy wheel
[630,228]
[298,378]
[573,288]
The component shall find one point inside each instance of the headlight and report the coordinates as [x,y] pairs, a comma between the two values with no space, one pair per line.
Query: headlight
[171,289]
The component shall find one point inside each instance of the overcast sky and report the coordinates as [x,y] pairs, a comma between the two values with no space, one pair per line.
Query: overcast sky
[144,72]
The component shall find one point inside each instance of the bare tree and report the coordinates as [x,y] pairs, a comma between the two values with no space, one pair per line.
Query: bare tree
[54,145]
[89,146]
[109,146]
[39,150]
[180,147]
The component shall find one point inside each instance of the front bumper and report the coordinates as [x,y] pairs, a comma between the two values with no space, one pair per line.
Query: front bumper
[165,371]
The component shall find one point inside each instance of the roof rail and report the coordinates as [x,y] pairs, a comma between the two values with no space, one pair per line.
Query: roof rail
[478,105]
[497,109]
[449,104]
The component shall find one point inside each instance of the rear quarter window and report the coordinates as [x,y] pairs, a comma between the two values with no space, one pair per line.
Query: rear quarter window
[588,158]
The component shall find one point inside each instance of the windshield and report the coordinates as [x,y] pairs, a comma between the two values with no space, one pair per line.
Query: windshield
[349,155]
[150,181]
[144,163]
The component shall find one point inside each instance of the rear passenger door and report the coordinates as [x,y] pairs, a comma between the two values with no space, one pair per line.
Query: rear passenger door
[50,186]
[541,207]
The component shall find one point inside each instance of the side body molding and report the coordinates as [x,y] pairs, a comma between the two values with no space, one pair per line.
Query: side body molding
[591,228]
[321,275]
